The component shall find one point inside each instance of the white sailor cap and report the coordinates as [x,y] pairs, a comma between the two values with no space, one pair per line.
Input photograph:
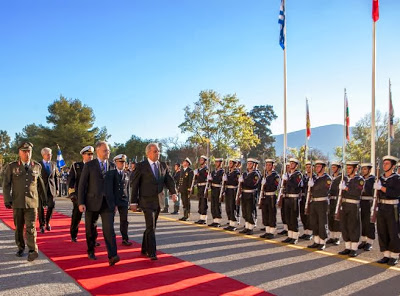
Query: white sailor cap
[238,160]
[120,157]
[366,164]
[320,161]
[294,160]
[336,163]
[204,157]
[188,160]
[352,162]
[234,160]
[86,149]
[252,160]
[393,159]
[218,159]
[308,163]
[270,160]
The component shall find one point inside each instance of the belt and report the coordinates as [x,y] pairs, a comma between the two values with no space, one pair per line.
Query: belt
[231,187]
[352,201]
[367,198]
[249,190]
[202,184]
[389,201]
[270,193]
[333,197]
[216,185]
[292,195]
[325,198]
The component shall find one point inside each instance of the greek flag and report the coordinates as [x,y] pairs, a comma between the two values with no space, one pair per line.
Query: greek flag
[282,21]
[60,159]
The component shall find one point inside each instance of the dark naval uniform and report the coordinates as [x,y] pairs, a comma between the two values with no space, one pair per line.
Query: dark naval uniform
[292,193]
[216,186]
[319,209]
[231,186]
[305,219]
[201,184]
[367,228]
[268,201]
[334,225]
[23,188]
[249,191]
[184,185]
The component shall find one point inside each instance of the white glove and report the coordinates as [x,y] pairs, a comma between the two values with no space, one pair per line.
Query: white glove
[224,178]
[285,177]
[342,185]
[196,171]
[209,177]
[311,182]
[241,179]
[263,181]
[378,185]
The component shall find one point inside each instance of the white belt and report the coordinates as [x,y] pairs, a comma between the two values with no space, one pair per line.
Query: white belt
[216,185]
[320,198]
[249,190]
[202,184]
[333,197]
[270,193]
[292,195]
[367,197]
[389,201]
[352,201]
[231,187]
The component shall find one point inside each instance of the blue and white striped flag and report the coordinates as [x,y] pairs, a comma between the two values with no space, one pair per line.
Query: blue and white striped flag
[60,159]
[282,21]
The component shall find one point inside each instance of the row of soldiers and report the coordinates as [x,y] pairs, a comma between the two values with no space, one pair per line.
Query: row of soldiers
[312,196]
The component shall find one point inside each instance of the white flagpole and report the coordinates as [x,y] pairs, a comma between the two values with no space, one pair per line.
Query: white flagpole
[389,125]
[373,96]
[284,93]
[306,148]
[344,130]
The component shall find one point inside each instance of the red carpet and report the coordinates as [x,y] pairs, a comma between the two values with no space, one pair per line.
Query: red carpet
[134,274]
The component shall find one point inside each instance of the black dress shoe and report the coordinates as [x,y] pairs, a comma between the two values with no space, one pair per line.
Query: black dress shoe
[283,232]
[97,244]
[353,253]
[367,247]
[330,241]
[153,257]
[74,240]
[113,260]
[41,229]
[262,229]
[183,219]
[336,242]
[393,261]
[19,253]
[165,211]
[303,236]
[213,224]
[269,236]
[345,252]
[288,239]
[126,242]
[48,227]
[313,246]
[384,260]
[308,237]
[175,213]
[91,256]
[362,245]
[264,235]
[249,232]
[293,241]
[245,230]
[321,247]
[32,255]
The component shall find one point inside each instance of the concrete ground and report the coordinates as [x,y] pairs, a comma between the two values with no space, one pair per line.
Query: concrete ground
[268,264]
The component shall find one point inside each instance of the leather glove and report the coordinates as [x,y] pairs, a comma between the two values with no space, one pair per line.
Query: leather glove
[310,182]
[263,181]
[378,185]
[8,205]
[196,171]
[342,185]
[224,178]
[241,179]
[209,177]
[285,177]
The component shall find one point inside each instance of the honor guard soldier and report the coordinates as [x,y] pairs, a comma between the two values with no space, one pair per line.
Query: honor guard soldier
[73,185]
[237,207]
[305,219]
[250,181]
[117,189]
[177,175]
[23,187]
[334,225]
[215,178]
[367,228]
[352,188]
[184,187]
[230,194]
[318,208]
[201,175]
[269,186]
[294,184]
[283,216]
[388,209]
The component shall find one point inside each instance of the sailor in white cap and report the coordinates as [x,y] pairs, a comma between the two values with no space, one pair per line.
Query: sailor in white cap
[201,176]
[231,186]
[184,186]
[305,219]
[333,224]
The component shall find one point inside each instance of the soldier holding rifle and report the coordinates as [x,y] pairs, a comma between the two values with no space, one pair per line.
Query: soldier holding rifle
[333,224]
[230,194]
[216,179]
[388,212]
[305,219]
[201,175]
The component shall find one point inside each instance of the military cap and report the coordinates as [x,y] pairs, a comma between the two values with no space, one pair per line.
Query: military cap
[308,163]
[219,159]
[188,160]
[294,160]
[270,160]
[320,161]
[233,160]
[366,164]
[352,162]
[238,160]
[393,159]
[89,149]
[252,160]
[25,146]
[204,157]
[336,163]
[120,157]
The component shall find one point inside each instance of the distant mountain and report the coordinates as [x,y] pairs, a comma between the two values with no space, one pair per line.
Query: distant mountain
[324,138]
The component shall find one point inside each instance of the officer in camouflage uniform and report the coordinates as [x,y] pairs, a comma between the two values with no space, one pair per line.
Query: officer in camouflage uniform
[333,225]
[305,219]
[23,187]
[201,176]
[231,186]
[216,178]
[184,186]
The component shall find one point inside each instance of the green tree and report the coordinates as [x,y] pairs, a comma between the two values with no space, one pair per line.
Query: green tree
[220,121]
[6,155]
[134,148]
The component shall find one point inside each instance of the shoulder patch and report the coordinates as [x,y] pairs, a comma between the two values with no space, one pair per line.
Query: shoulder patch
[329,182]
[361,182]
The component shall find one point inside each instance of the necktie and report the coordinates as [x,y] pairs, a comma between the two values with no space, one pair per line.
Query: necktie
[48,168]
[156,172]
[26,167]
[103,167]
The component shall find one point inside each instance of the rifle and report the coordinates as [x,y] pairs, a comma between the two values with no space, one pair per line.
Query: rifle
[308,198]
[339,200]
[262,190]
[239,191]
[221,192]
[194,177]
[374,208]
[282,187]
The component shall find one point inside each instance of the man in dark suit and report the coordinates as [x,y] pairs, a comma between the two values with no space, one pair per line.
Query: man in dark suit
[93,201]
[49,176]
[117,188]
[147,182]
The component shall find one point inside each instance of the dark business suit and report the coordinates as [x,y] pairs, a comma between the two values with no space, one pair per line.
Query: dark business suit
[91,193]
[145,188]
[117,188]
[49,176]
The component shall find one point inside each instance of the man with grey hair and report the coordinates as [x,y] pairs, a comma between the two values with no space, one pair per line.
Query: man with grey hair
[49,176]
[147,182]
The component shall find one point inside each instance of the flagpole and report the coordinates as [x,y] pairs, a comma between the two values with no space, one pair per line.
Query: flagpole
[306,148]
[373,95]
[389,119]
[284,89]
[344,129]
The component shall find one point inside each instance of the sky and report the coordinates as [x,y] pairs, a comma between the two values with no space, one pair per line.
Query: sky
[139,63]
